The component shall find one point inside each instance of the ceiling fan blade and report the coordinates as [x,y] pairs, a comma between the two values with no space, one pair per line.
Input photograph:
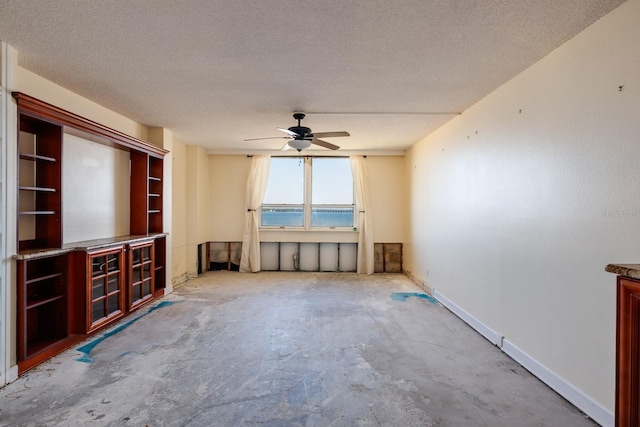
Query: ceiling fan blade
[271,137]
[329,134]
[324,144]
[285,147]
[288,132]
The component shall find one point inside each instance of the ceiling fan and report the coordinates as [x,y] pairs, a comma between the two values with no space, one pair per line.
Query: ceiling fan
[303,137]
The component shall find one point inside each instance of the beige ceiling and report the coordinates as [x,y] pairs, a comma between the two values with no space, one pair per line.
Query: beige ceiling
[216,72]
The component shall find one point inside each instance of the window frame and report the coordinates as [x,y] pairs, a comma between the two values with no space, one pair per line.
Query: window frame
[307,206]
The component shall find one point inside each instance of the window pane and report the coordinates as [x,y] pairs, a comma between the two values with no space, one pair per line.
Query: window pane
[286,182]
[332,182]
[331,217]
[274,216]
[97,288]
[97,310]
[113,304]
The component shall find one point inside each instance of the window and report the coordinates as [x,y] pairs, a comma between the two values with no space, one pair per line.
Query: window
[309,193]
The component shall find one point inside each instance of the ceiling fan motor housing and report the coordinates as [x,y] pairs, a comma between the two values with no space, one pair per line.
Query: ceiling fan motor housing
[301,131]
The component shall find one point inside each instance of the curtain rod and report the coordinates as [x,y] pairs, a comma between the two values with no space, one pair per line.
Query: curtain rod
[251,155]
[388,113]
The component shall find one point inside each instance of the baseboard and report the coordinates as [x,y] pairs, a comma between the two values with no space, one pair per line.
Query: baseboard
[494,337]
[580,400]
[11,375]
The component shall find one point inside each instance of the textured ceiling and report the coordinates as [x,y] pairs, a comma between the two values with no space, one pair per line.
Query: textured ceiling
[216,72]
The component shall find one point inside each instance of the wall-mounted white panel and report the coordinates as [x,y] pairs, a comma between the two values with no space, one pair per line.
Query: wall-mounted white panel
[348,257]
[95,190]
[328,257]
[269,256]
[287,252]
[309,256]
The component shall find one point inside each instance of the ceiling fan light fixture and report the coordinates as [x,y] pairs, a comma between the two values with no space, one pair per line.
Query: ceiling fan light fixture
[299,144]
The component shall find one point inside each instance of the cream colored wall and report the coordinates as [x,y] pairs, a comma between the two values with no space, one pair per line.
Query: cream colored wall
[179,212]
[197,193]
[228,179]
[190,208]
[517,205]
[95,190]
[45,90]
[227,184]
[388,196]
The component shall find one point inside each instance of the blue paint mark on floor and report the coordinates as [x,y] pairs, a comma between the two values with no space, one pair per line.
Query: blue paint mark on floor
[403,296]
[87,348]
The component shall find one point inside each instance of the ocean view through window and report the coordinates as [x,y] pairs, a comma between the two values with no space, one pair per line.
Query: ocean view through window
[306,193]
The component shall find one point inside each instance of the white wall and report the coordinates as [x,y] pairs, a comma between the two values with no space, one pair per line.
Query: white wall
[517,205]
[96,190]
[228,180]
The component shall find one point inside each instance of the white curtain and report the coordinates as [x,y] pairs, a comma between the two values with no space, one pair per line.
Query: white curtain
[363,206]
[256,187]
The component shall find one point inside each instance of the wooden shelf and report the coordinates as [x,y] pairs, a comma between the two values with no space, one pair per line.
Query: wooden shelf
[43,278]
[44,189]
[37,346]
[39,302]
[35,157]
[155,178]
[37,213]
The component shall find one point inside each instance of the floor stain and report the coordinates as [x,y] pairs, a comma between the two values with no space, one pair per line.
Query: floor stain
[88,348]
[403,296]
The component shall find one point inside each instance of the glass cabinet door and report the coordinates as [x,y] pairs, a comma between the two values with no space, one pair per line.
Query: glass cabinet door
[105,291]
[141,274]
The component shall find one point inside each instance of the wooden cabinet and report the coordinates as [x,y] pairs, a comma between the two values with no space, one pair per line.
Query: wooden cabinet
[628,353]
[141,273]
[105,290]
[39,184]
[146,194]
[42,306]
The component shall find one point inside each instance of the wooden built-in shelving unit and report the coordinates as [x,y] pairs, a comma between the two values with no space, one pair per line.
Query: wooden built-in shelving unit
[67,290]
[39,183]
[42,301]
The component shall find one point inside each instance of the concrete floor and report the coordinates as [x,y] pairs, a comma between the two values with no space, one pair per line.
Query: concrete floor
[286,349]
